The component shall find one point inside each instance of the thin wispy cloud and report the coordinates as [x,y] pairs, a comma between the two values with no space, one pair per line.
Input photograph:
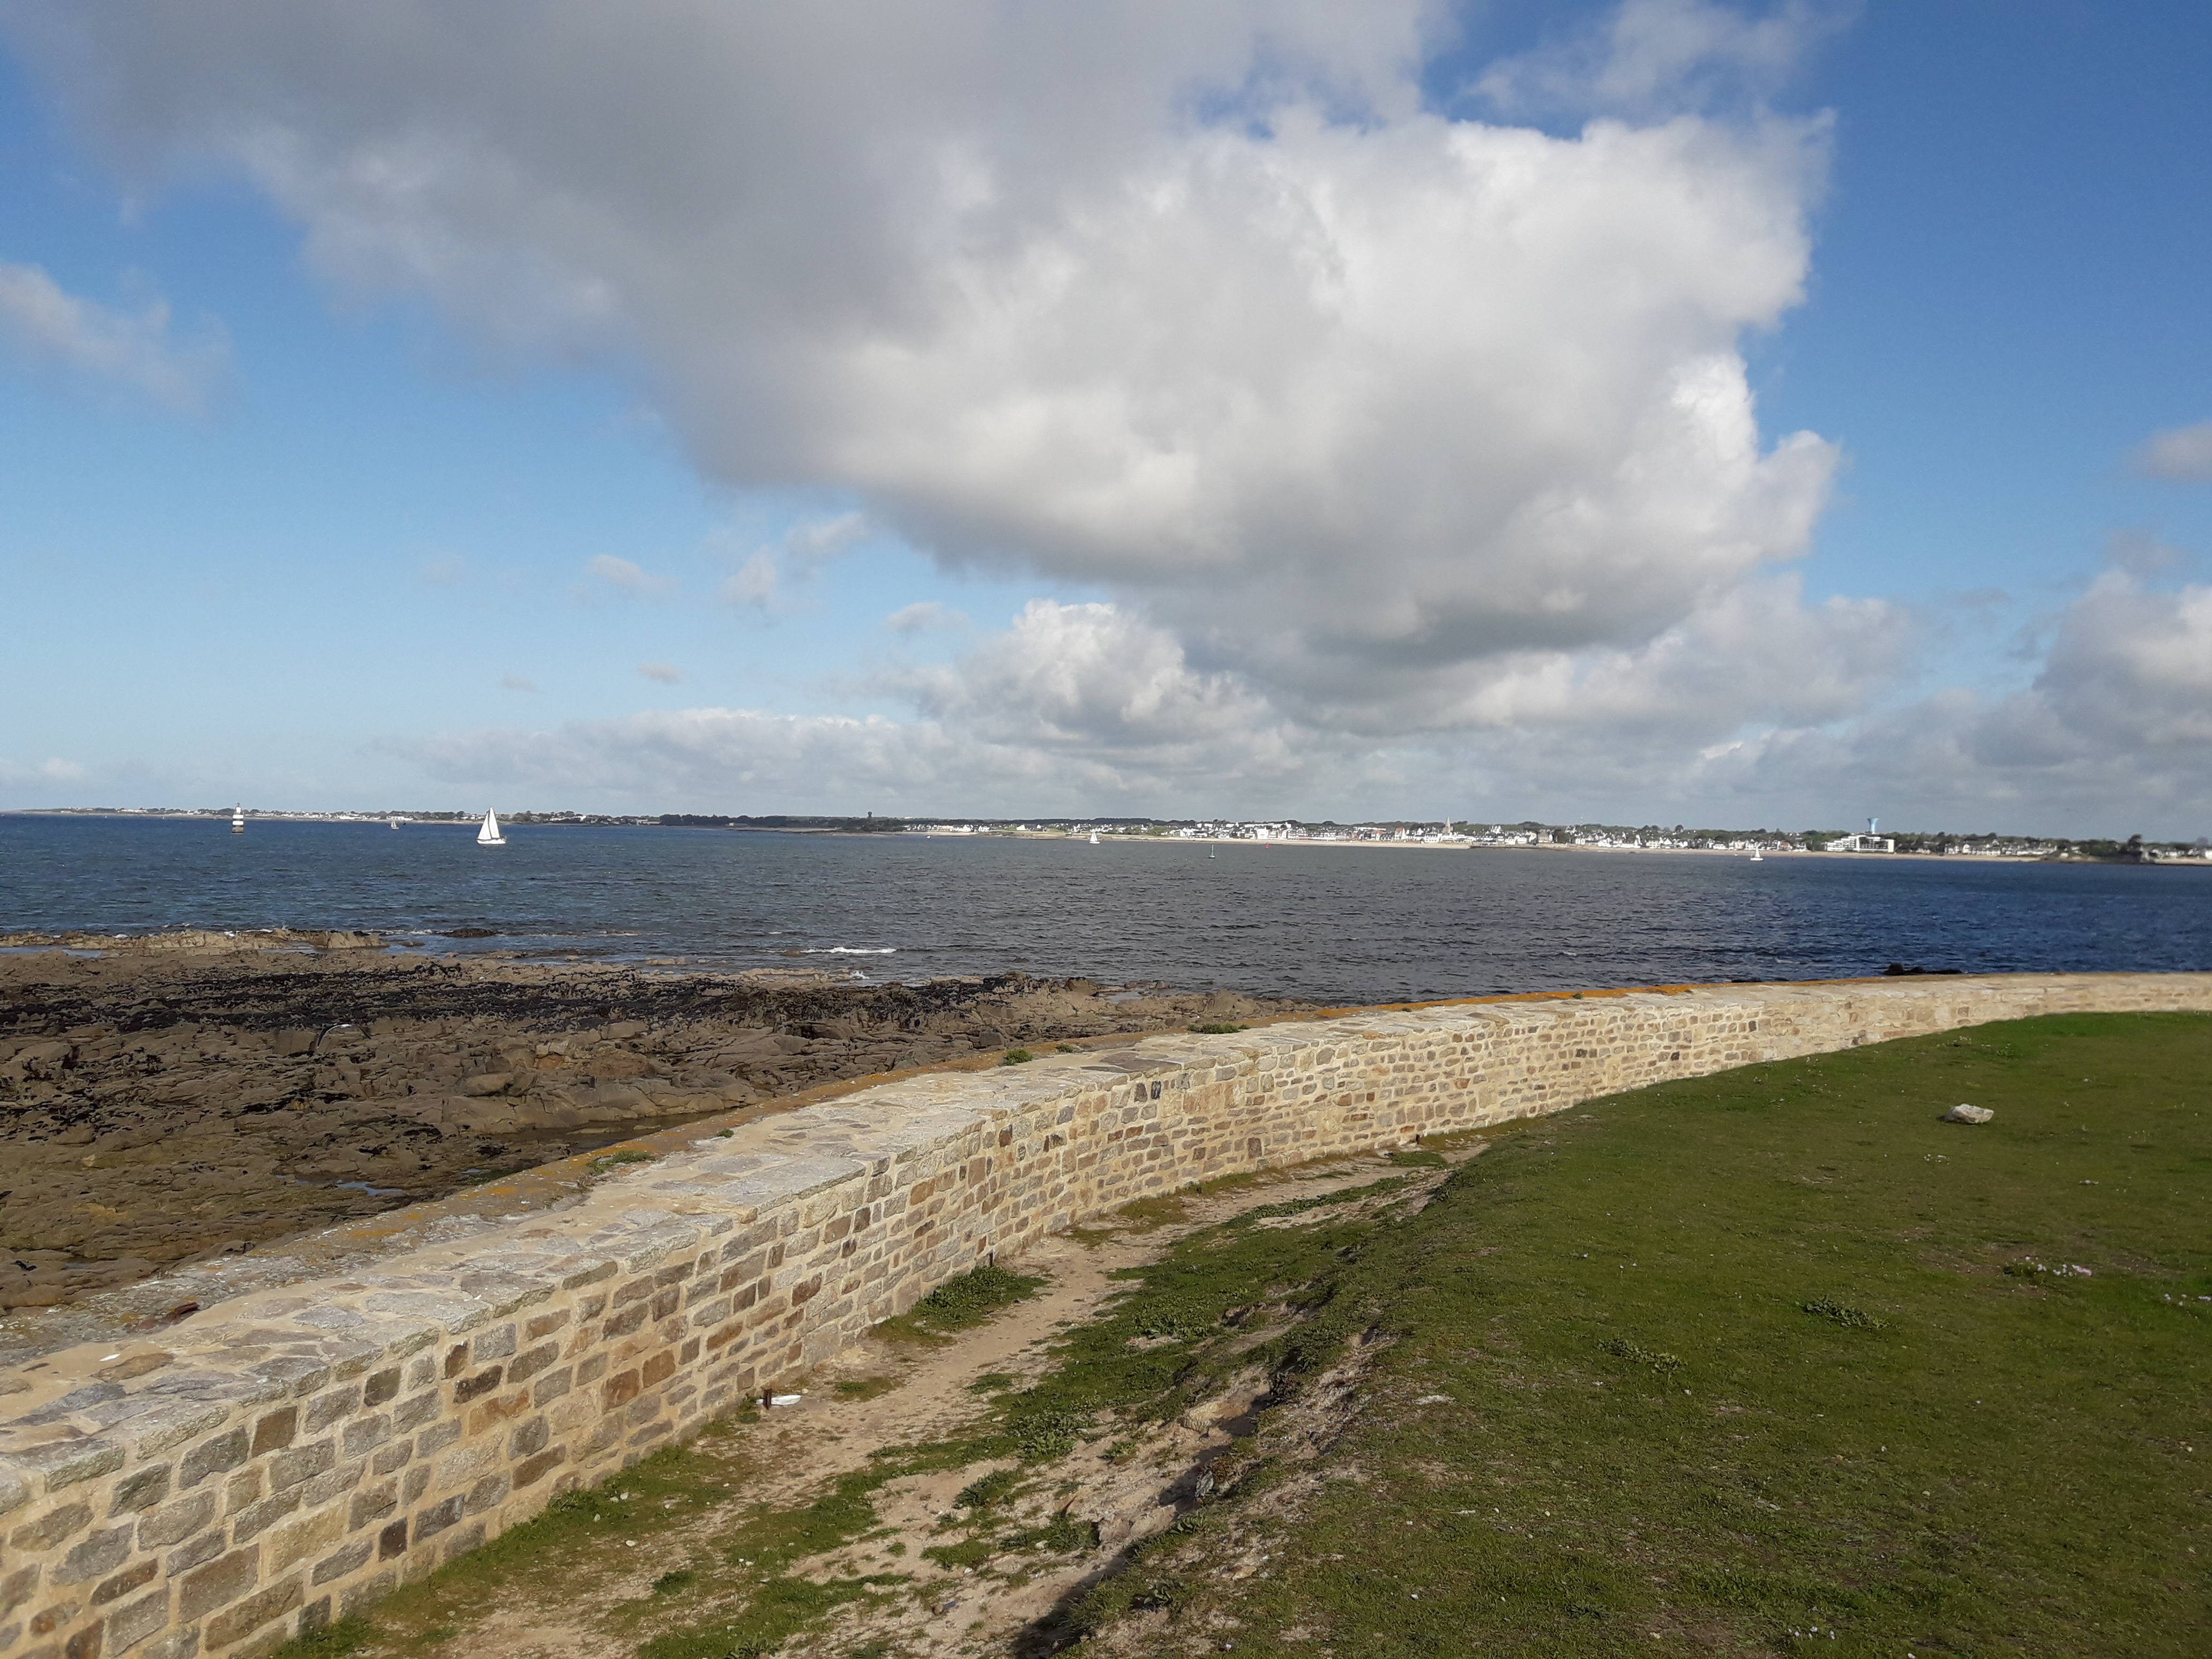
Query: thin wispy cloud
[661,673]
[921,617]
[628,578]
[753,585]
[48,330]
[1655,58]
[518,683]
[2181,454]
[822,539]
[54,770]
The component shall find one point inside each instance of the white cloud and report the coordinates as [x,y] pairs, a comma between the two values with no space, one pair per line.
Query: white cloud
[1095,681]
[661,673]
[699,756]
[753,584]
[2109,737]
[48,329]
[1649,57]
[2141,553]
[2181,454]
[2131,670]
[1329,384]
[1411,452]
[628,578]
[1074,707]
[922,616]
[820,540]
[1755,712]
[517,683]
[15,775]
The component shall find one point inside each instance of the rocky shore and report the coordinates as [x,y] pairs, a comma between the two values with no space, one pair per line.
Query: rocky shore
[185,1098]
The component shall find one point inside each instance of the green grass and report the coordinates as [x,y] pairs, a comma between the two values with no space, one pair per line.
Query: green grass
[1724,1361]
[576,1530]
[987,1490]
[1144,1214]
[1290,1206]
[607,1161]
[958,1304]
[1721,1361]
[778,1610]
[333,1641]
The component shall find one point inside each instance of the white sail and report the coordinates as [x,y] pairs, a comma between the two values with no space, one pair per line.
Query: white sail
[1094,838]
[490,836]
[238,820]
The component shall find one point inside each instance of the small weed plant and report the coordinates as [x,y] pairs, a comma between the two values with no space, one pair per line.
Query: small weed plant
[1841,1313]
[1637,1354]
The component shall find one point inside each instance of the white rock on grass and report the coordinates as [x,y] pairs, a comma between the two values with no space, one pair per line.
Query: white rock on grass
[1963,1112]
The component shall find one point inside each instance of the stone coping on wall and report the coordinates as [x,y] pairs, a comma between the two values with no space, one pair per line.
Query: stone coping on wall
[276,1461]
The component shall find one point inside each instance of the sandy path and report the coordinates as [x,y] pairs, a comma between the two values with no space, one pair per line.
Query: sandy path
[797,1452]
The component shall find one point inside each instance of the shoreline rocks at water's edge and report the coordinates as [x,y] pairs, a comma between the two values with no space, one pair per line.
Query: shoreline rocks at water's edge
[160,1106]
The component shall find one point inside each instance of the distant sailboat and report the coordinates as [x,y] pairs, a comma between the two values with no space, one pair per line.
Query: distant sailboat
[490,836]
[1757,857]
[1094,838]
[237,819]
[396,822]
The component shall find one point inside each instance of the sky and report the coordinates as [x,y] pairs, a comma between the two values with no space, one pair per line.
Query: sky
[1663,411]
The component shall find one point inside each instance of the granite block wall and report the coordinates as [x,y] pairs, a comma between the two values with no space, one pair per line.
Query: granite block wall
[280,1460]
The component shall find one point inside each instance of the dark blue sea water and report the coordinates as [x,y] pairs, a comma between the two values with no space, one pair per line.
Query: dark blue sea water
[1335,924]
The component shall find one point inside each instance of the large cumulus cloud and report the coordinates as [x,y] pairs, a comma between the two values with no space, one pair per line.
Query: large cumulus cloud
[1194,301]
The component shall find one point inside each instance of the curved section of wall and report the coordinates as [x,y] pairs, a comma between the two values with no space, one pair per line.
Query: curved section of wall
[273,1463]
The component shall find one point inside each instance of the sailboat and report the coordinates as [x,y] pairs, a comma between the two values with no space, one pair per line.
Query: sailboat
[1757,857]
[1094,838]
[490,836]
[237,819]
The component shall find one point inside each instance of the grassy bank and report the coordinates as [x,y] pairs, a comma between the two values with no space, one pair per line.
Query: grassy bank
[1763,1361]
[1770,1362]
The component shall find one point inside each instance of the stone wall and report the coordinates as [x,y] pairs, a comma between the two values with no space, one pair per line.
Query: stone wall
[275,1461]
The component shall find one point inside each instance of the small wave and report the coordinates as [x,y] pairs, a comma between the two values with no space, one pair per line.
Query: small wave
[851,950]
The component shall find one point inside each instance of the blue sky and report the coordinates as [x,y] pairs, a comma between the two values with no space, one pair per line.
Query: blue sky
[601,462]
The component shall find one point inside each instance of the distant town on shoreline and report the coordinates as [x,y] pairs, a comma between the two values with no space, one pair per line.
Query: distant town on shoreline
[1391,832]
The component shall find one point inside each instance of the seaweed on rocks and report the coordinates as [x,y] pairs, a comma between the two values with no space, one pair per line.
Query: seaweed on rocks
[160,1106]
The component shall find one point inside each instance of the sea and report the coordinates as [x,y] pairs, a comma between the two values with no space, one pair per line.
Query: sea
[1333,924]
